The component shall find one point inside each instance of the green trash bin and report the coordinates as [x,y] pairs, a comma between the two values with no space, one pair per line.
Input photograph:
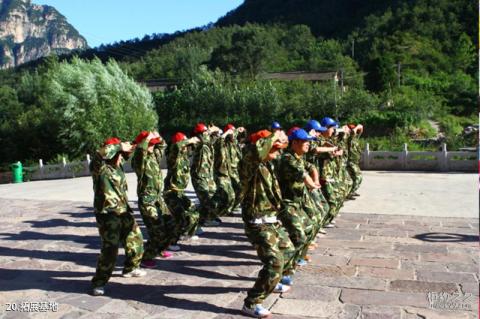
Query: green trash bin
[17,172]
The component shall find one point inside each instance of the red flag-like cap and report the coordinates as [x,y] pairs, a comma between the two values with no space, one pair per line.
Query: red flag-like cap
[140,137]
[177,137]
[154,141]
[199,128]
[229,126]
[112,141]
[258,135]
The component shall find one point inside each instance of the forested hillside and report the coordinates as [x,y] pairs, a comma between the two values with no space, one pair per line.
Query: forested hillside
[399,65]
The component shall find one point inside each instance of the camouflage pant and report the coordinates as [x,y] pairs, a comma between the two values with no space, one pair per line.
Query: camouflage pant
[346,183]
[116,230]
[237,189]
[276,252]
[184,212]
[333,195]
[223,199]
[299,227]
[356,175]
[205,189]
[316,207]
[160,227]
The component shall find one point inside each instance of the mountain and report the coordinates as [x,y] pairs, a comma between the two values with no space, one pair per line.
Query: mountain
[326,18]
[339,18]
[29,31]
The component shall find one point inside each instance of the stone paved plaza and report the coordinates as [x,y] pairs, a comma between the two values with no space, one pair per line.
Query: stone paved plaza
[369,266]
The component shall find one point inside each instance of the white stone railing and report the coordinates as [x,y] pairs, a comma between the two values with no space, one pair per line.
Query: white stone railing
[65,170]
[442,161]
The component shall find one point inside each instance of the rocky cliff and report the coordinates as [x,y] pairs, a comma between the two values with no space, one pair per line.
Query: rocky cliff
[29,31]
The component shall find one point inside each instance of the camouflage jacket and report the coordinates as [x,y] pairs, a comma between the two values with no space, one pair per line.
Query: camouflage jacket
[329,171]
[110,189]
[234,155]
[222,165]
[354,150]
[319,160]
[291,172]
[147,168]
[202,163]
[342,142]
[95,165]
[178,164]
[261,195]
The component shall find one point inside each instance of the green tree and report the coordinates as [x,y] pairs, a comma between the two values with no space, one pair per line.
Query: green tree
[94,101]
[248,53]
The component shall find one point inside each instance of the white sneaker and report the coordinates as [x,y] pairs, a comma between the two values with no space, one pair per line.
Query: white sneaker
[194,237]
[330,226]
[173,248]
[98,291]
[257,311]
[281,288]
[322,231]
[137,272]
[333,222]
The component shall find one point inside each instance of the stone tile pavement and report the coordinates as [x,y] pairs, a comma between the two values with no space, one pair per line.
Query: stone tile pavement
[370,266]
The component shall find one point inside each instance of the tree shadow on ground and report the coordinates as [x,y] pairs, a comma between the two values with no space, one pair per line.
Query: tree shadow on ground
[57,222]
[231,251]
[24,279]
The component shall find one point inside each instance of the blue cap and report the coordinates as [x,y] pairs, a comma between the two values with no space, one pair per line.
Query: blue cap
[328,121]
[314,125]
[276,125]
[302,135]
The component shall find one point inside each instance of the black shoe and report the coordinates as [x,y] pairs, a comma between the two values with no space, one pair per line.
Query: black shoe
[356,194]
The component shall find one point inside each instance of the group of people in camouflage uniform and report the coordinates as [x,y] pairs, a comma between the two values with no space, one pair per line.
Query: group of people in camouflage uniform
[290,186]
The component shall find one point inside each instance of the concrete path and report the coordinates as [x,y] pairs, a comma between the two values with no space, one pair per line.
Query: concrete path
[393,193]
[369,266]
[418,194]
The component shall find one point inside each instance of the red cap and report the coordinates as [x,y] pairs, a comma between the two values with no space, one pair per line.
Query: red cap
[351,126]
[177,137]
[258,135]
[199,128]
[154,141]
[140,137]
[112,141]
[229,126]
[292,129]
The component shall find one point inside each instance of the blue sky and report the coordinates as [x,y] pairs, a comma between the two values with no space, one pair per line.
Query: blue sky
[107,21]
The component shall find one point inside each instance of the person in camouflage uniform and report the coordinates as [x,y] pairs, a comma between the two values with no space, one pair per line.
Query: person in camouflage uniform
[115,221]
[344,179]
[234,155]
[202,174]
[261,204]
[317,154]
[297,177]
[178,163]
[329,173]
[224,197]
[354,155]
[155,213]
